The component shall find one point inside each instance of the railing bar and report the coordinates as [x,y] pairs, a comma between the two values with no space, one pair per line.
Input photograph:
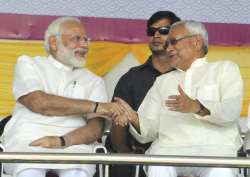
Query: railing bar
[77,158]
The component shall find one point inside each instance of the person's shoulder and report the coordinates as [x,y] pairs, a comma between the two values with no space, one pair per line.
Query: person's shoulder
[168,75]
[25,59]
[223,64]
[134,71]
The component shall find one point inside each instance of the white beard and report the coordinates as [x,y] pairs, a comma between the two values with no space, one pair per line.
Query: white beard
[67,56]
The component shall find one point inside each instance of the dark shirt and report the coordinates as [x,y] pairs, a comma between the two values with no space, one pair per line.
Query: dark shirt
[133,87]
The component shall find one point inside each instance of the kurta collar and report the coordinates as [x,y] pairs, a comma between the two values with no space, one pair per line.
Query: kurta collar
[197,63]
[58,64]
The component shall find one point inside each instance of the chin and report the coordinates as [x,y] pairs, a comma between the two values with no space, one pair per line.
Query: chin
[78,62]
[159,52]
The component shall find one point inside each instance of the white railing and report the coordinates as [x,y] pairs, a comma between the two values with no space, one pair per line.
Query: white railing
[77,158]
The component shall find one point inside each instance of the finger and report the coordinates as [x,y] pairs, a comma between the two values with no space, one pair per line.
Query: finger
[37,142]
[129,113]
[123,103]
[181,91]
[173,97]
[172,101]
[177,109]
[116,109]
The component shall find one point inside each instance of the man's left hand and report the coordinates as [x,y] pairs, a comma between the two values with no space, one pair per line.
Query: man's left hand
[182,103]
[48,142]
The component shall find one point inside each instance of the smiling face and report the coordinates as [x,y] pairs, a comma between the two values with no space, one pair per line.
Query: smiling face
[71,45]
[185,49]
[157,41]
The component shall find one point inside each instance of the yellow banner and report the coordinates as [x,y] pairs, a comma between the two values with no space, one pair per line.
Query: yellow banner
[103,57]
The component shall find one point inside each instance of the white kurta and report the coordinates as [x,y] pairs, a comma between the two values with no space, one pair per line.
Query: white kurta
[218,86]
[50,76]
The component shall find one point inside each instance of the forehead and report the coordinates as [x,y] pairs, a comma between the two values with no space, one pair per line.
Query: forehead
[178,31]
[160,23]
[72,27]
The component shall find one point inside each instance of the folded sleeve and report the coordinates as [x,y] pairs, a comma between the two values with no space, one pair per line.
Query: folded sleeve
[227,108]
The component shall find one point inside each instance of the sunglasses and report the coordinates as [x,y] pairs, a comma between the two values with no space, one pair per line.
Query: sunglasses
[174,41]
[164,30]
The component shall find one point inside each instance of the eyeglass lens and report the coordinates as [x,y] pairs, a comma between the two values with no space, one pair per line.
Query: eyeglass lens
[164,30]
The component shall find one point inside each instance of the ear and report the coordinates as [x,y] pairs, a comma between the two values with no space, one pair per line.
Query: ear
[198,43]
[52,43]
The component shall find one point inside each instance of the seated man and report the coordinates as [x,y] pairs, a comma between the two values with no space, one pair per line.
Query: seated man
[51,99]
[194,110]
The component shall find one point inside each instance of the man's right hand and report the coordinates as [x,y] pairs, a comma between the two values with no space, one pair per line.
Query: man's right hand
[48,142]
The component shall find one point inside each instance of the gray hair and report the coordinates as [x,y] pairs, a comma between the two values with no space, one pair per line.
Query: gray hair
[54,29]
[195,28]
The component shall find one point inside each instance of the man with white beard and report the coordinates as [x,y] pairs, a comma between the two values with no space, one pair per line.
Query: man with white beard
[55,97]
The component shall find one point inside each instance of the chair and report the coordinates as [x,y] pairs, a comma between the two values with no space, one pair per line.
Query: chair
[99,148]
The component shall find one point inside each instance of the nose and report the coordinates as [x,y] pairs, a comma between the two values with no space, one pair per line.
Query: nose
[83,43]
[157,34]
[169,47]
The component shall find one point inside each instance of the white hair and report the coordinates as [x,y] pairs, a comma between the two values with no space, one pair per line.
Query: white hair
[54,29]
[195,28]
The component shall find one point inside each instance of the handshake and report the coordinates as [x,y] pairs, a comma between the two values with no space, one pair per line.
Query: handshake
[119,111]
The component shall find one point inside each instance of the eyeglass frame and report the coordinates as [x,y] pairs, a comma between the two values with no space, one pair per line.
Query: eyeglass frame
[174,41]
[76,38]
[157,29]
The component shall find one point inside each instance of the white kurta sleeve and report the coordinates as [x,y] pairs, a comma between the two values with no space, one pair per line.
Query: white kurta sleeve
[227,109]
[148,113]
[26,78]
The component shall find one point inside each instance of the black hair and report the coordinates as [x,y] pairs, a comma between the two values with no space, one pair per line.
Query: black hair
[162,15]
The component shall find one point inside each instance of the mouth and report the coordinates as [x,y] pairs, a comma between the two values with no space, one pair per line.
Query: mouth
[171,55]
[157,43]
[81,52]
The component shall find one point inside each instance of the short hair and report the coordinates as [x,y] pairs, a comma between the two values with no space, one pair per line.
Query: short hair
[54,29]
[162,15]
[195,28]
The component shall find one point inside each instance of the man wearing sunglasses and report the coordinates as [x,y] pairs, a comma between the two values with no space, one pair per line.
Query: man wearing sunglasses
[193,110]
[133,86]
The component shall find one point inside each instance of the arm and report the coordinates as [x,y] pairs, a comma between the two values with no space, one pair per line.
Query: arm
[221,110]
[226,110]
[83,135]
[146,123]
[52,105]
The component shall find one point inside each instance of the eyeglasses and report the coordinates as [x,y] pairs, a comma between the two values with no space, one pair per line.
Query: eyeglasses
[76,38]
[174,41]
[162,30]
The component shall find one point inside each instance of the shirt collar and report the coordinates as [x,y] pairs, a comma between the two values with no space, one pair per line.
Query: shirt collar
[58,64]
[196,63]
[148,63]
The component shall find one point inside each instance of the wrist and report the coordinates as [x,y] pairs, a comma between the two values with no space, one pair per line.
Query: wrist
[202,111]
[62,141]
[96,107]
[197,107]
